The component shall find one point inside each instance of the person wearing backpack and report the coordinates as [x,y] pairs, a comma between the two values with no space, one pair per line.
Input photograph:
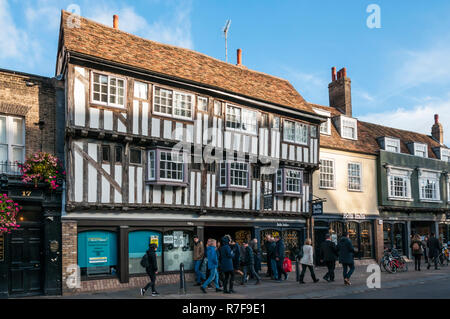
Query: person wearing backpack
[249,262]
[151,267]
[417,251]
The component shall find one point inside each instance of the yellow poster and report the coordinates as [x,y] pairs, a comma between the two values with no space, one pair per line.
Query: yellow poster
[154,240]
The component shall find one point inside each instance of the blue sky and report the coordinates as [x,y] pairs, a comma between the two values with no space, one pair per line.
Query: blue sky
[400,72]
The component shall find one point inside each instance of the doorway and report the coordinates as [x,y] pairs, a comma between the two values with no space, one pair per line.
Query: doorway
[25,261]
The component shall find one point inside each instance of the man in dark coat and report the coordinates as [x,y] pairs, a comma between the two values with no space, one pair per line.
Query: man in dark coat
[279,257]
[226,265]
[328,255]
[271,251]
[256,254]
[434,248]
[151,269]
[249,262]
[346,257]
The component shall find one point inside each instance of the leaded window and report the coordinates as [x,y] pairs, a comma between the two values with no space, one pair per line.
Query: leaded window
[327,178]
[108,90]
[171,166]
[354,176]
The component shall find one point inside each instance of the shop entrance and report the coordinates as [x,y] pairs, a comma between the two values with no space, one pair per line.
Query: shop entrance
[239,234]
[422,228]
[25,261]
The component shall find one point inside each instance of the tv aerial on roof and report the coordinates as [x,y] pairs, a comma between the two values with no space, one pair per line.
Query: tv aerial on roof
[225,31]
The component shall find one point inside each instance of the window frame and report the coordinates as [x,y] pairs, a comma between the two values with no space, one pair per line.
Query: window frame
[156,170]
[327,122]
[333,187]
[134,90]
[436,183]
[392,139]
[294,141]
[281,182]
[400,173]
[10,146]
[444,152]
[135,149]
[108,103]
[425,150]
[172,114]
[198,104]
[360,177]
[229,186]
[355,127]
[241,122]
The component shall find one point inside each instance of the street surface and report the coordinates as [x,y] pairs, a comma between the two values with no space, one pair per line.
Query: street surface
[425,284]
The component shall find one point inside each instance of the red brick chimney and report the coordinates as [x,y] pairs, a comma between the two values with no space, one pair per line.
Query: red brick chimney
[340,91]
[239,57]
[116,22]
[437,131]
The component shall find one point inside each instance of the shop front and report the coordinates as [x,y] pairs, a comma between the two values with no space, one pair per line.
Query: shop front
[359,227]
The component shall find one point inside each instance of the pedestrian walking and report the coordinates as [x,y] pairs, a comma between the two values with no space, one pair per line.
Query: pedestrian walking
[273,262]
[434,248]
[213,263]
[425,248]
[307,261]
[267,244]
[199,254]
[328,256]
[256,254]
[249,262]
[417,251]
[151,267]
[219,269]
[279,257]
[236,249]
[346,257]
[226,264]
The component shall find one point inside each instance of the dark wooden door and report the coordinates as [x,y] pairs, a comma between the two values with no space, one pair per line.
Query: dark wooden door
[25,270]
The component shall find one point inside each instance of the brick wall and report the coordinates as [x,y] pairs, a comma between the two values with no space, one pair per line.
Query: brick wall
[69,250]
[34,103]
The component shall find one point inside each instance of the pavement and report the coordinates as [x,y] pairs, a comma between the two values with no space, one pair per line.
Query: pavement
[410,284]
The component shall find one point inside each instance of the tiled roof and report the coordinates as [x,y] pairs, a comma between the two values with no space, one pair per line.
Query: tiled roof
[368,133]
[100,41]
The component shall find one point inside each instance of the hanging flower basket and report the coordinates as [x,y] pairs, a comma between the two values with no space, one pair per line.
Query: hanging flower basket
[43,167]
[8,214]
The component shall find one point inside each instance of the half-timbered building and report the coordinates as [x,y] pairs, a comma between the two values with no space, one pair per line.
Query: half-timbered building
[163,143]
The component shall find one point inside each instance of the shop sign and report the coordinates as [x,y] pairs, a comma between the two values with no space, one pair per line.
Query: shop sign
[98,250]
[2,247]
[282,225]
[354,216]
[317,208]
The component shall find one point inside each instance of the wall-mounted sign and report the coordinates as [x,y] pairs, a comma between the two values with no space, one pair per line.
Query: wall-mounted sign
[98,250]
[2,248]
[282,225]
[354,216]
[317,208]
[54,246]
[26,193]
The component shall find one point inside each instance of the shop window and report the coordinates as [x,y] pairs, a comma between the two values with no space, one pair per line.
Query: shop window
[366,240]
[352,228]
[387,236]
[399,235]
[178,248]
[291,243]
[97,253]
[263,234]
[336,231]
[138,244]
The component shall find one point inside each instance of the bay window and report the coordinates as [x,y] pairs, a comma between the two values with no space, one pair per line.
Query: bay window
[172,103]
[234,176]
[295,132]
[166,167]
[241,119]
[289,182]
[108,90]
[429,189]
[12,143]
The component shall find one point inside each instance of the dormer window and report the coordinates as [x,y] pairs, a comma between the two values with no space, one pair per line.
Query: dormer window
[325,127]
[420,150]
[349,128]
[392,145]
[445,154]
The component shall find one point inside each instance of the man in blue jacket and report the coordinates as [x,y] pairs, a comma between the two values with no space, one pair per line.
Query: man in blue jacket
[226,265]
[213,263]
[279,257]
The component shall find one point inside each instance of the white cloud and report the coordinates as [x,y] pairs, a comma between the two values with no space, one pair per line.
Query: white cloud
[174,29]
[418,119]
[15,42]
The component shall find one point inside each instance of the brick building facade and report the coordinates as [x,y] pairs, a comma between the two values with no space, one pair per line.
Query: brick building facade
[28,112]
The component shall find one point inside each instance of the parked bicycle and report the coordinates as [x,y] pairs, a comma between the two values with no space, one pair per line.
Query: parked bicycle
[443,257]
[393,262]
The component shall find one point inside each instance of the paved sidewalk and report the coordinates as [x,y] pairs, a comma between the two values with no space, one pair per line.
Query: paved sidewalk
[289,289]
